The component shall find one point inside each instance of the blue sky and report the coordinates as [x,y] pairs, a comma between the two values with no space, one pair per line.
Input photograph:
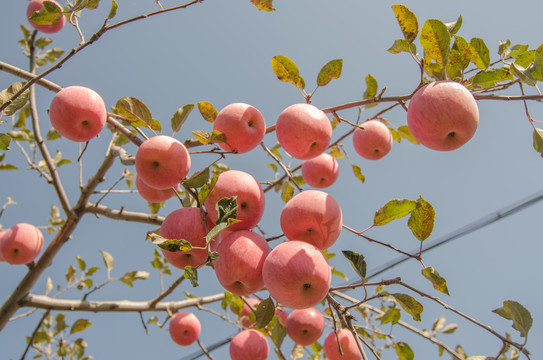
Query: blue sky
[220,52]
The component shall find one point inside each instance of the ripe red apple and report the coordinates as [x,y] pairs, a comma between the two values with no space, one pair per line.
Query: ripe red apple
[304,131]
[162,162]
[243,125]
[373,141]
[250,198]
[305,326]
[443,115]
[297,274]
[321,171]
[21,244]
[249,344]
[348,346]
[1,235]
[241,257]
[185,328]
[187,224]
[36,5]
[312,216]
[245,315]
[78,113]
[151,194]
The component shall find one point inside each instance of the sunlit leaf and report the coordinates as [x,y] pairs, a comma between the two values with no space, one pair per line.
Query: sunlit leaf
[522,319]
[410,305]
[392,210]
[537,67]
[491,77]
[403,351]
[538,140]
[438,282]
[454,26]
[392,315]
[371,87]
[113,10]
[358,173]
[357,261]
[133,110]
[408,22]
[286,70]
[180,116]
[80,325]
[131,276]
[480,55]
[192,275]
[198,179]
[49,14]
[401,45]
[18,103]
[208,112]
[266,5]
[421,221]
[108,260]
[435,39]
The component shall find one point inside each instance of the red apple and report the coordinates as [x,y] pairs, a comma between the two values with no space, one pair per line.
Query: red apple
[151,194]
[187,224]
[305,326]
[348,346]
[250,198]
[243,125]
[241,257]
[21,244]
[78,113]
[296,274]
[2,232]
[249,344]
[321,171]
[373,140]
[36,5]
[162,162]
[443,115]
[185,328]
[312,216]
[304,131]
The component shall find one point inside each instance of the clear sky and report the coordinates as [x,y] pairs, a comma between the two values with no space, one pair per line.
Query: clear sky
[220,52]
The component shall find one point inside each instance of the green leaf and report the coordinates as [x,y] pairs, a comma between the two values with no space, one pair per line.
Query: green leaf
[537,67]
[406,133]
[358,173]
[207,111]
[191,274]
[180,116]
[108,260]
[92,4]
[18,103]
[421,221]
[131,276]
[454,26]
[407,21]
[403,351]
[401,45]
[449,329]
[209,138]
[392,210]
[522,319]
[480,55]
[371,87]
[491,77]
[49,14]
[198,179]
[410,305]
[538,140]
[286,70]
[331,70]
[8,167]
[266,5]
[42,42]
[172,245]
[358,263]
[60,323]
[206,189]
[227,209]
[5,139]
[80,325]
[79,5]
[113,10]
[523,74]
[264,312]
[134,111]
[81,263]
[435,39]
[439,283]
[392,315]
[460,53]
[278,333]
[287,191]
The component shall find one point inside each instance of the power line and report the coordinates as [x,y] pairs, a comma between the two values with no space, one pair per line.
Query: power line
[476,225]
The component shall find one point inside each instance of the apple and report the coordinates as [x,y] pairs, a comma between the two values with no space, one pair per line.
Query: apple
[296,274]
[162,162]
[305,326]
[243,125]
[250,198]
[1,235]
[21,244]
[348,346]
[321,171]
[249,344]
[443,115]
[188,224]
[36,5]
[312,216]
[151,194]
[303,130]
[241,257]
[245,315]
[185,328]
[78,113]
[373,140]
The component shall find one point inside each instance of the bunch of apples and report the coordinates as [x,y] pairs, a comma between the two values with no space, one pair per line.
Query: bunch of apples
[442,115]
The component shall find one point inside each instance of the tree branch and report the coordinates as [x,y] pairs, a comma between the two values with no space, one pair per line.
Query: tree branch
[123,214]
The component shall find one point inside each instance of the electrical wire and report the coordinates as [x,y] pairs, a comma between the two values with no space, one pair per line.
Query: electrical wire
[476,225]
